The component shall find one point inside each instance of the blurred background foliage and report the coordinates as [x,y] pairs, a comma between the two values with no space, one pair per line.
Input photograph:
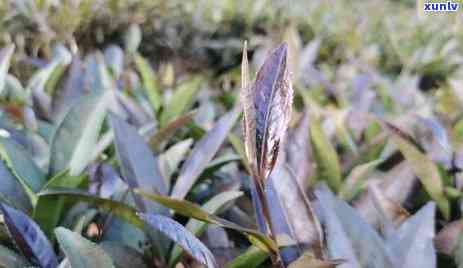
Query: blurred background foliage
[173,67]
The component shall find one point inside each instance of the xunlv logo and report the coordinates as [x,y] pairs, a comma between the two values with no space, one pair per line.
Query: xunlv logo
[441,6]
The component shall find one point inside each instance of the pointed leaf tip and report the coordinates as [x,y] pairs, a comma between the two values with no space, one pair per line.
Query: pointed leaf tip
[267,111]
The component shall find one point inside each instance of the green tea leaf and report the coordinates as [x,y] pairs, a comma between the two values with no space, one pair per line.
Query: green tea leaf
[424,168]
[253,257]
[49,209]
[76,136]
[203,152]
[119,209]
[180,100]
[325,155]
[12,191]
[189,209]
[81,252]
[149,82]
[23,165]
[5,57]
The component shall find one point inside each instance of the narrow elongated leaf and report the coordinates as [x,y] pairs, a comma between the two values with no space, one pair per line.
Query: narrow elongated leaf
[49,209]
[81,252]
[170,160]
[76,136]
[149,81]
[189,209]
[119,209]
[251,258]
[293,217]
[213,206]
[159,137]
[203,152]
[28,238]
[11,191]
[298,151]
[23,165]
[267,110]
[180,100]
[5,57]
[71,90]
[182,237]
[328,168]
[36,87]
[423,167]
[139,167]
[354,181]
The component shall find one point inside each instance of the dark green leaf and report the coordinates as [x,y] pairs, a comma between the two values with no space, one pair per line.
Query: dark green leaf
[49,209]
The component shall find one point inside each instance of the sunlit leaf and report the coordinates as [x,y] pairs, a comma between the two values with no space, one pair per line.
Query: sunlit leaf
[415,238]
[149,81]
[203,152]
[328,168]
[5,57]
[267,106]
[180,100]
[354,181]
[424,168]
[76,136]
[251,258]
[349,237]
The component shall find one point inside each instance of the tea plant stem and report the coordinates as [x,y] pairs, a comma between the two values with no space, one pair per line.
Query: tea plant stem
[274,255]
